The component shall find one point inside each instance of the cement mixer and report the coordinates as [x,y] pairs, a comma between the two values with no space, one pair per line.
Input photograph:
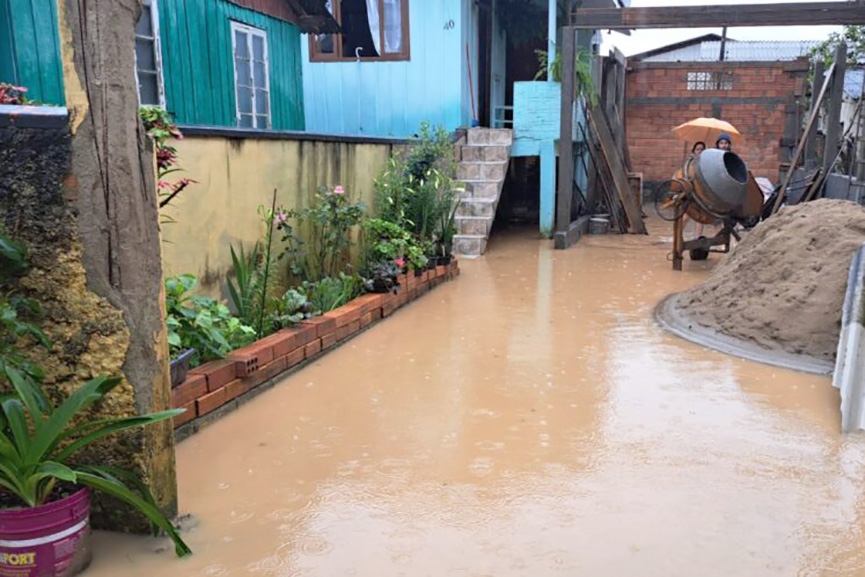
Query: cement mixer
[714,187]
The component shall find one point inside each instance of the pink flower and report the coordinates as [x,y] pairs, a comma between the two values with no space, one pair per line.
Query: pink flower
[400,262]
[281,217]
[338,189]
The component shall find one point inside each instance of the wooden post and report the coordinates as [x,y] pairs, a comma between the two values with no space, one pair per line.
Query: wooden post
[723,55]
[811,136]
[566,140]
[833,118]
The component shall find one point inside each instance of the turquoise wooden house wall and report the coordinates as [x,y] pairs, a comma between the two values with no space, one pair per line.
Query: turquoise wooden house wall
[30,49]
[393,98]
[198,64]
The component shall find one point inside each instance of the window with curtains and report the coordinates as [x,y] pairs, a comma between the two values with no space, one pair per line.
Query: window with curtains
[371,30]
[251,76]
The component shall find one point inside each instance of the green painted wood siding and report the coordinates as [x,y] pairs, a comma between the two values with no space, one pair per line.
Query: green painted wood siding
[198,63]
[30,48]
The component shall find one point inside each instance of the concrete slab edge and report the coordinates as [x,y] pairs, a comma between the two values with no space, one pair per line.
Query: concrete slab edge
[669,316]
[850,360]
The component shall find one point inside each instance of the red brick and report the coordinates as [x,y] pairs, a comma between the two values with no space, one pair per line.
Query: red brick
[368,302]
[218,373]
[328,341]
[388,308]
[282,342]
[366,320]
[345,314]
[186,392]
[303,333]
[251,357]
[235,389]
[211,401]
[441,270]
[312,349]
[376,314]
[295,358]
[401,298]
[412,294]
[189,415]
[343,333]
[266,372]
[323,325]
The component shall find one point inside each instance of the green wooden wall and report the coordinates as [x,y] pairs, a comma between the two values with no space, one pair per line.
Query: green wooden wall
[30,48]
[198,64]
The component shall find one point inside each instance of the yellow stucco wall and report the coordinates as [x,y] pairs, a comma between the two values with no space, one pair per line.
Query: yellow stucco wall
[236,176]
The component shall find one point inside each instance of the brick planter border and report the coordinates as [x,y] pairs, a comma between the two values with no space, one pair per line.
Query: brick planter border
[219,387]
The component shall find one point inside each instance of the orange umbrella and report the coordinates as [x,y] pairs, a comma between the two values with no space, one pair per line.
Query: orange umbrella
[707,130]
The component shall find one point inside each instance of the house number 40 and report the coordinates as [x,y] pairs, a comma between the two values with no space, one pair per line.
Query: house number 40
[450,25]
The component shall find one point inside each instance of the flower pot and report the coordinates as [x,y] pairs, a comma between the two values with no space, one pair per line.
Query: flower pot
[179,368]
[51,540]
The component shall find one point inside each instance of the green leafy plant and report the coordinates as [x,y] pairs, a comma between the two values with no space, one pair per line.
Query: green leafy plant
[318,238]
[432,149]
[201,323]
[160,128]
[38,441]
[388,241]
[854,36]
[332,292]
[447,224]
[38,444]
[585,82]
[244,289]
[381,277]
[290,309]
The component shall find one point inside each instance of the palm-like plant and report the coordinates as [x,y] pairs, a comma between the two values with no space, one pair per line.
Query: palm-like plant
[38,443]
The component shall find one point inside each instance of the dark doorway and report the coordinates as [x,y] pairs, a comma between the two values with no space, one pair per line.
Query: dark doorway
[485,64]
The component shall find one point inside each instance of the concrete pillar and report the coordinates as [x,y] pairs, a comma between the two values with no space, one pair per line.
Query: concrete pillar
[548,188]
[551,38]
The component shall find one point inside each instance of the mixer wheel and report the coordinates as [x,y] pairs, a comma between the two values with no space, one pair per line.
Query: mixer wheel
[671,199]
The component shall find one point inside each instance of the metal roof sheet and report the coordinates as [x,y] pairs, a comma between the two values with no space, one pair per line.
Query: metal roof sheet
[737,51]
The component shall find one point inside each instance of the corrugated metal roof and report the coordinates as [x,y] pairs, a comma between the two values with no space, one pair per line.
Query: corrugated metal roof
[853,83]
[737,51]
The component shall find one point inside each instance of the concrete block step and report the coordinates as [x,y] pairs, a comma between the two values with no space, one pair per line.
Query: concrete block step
[483,188]
[469,246]
[496,136]
[474,225]
[482,170]
[485,153]
[477,207]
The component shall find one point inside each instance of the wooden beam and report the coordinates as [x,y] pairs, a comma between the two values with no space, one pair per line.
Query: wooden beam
[811,135]
[617,168]
[787,14]
[566,132]
[833,118]
[815,112]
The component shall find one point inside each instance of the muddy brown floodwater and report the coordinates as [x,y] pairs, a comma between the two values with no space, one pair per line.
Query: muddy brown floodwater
[527,420]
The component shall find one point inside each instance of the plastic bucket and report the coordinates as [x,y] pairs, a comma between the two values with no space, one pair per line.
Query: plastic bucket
[52,540]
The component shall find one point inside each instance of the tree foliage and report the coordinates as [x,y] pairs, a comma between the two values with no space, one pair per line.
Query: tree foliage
[855,38]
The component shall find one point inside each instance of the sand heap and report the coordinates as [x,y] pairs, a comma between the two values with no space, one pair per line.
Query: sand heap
[783,287]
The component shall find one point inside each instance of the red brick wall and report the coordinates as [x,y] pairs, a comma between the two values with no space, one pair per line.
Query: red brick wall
[757,105]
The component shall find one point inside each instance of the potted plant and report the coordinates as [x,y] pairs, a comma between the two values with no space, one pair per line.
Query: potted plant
[44,489]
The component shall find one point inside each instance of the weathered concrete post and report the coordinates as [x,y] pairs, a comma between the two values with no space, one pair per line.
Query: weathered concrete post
[833,117]
[112,188]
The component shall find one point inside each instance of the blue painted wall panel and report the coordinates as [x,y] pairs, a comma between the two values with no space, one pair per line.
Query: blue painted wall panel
[393,98]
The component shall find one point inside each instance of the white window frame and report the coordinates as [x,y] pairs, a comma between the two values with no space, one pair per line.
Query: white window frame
[157,49]
[250,32]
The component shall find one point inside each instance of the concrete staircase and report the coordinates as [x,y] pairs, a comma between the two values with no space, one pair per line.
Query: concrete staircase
[482,169]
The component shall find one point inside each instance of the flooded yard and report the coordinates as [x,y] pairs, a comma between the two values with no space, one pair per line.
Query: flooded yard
[528,419]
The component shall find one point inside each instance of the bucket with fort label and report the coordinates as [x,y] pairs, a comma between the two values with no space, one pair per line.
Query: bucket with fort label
[51,540]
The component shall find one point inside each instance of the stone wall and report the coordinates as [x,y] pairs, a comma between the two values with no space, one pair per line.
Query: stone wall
[90,336]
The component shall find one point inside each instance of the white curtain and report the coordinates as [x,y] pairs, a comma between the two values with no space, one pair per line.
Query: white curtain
[392,26]
[374,23]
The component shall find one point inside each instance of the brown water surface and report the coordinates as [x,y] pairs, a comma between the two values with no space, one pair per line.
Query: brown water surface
[527,420]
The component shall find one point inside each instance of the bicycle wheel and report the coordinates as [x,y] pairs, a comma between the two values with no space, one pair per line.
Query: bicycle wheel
[671,199]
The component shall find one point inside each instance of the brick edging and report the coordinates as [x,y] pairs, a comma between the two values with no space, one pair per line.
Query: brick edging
[218,387]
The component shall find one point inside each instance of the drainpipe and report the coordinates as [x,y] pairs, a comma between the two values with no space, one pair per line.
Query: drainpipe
[551,40]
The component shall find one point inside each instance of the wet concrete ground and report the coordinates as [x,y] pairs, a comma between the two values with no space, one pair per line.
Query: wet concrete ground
[528,419]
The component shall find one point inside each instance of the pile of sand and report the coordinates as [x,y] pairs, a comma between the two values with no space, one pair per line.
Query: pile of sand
[783,287]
